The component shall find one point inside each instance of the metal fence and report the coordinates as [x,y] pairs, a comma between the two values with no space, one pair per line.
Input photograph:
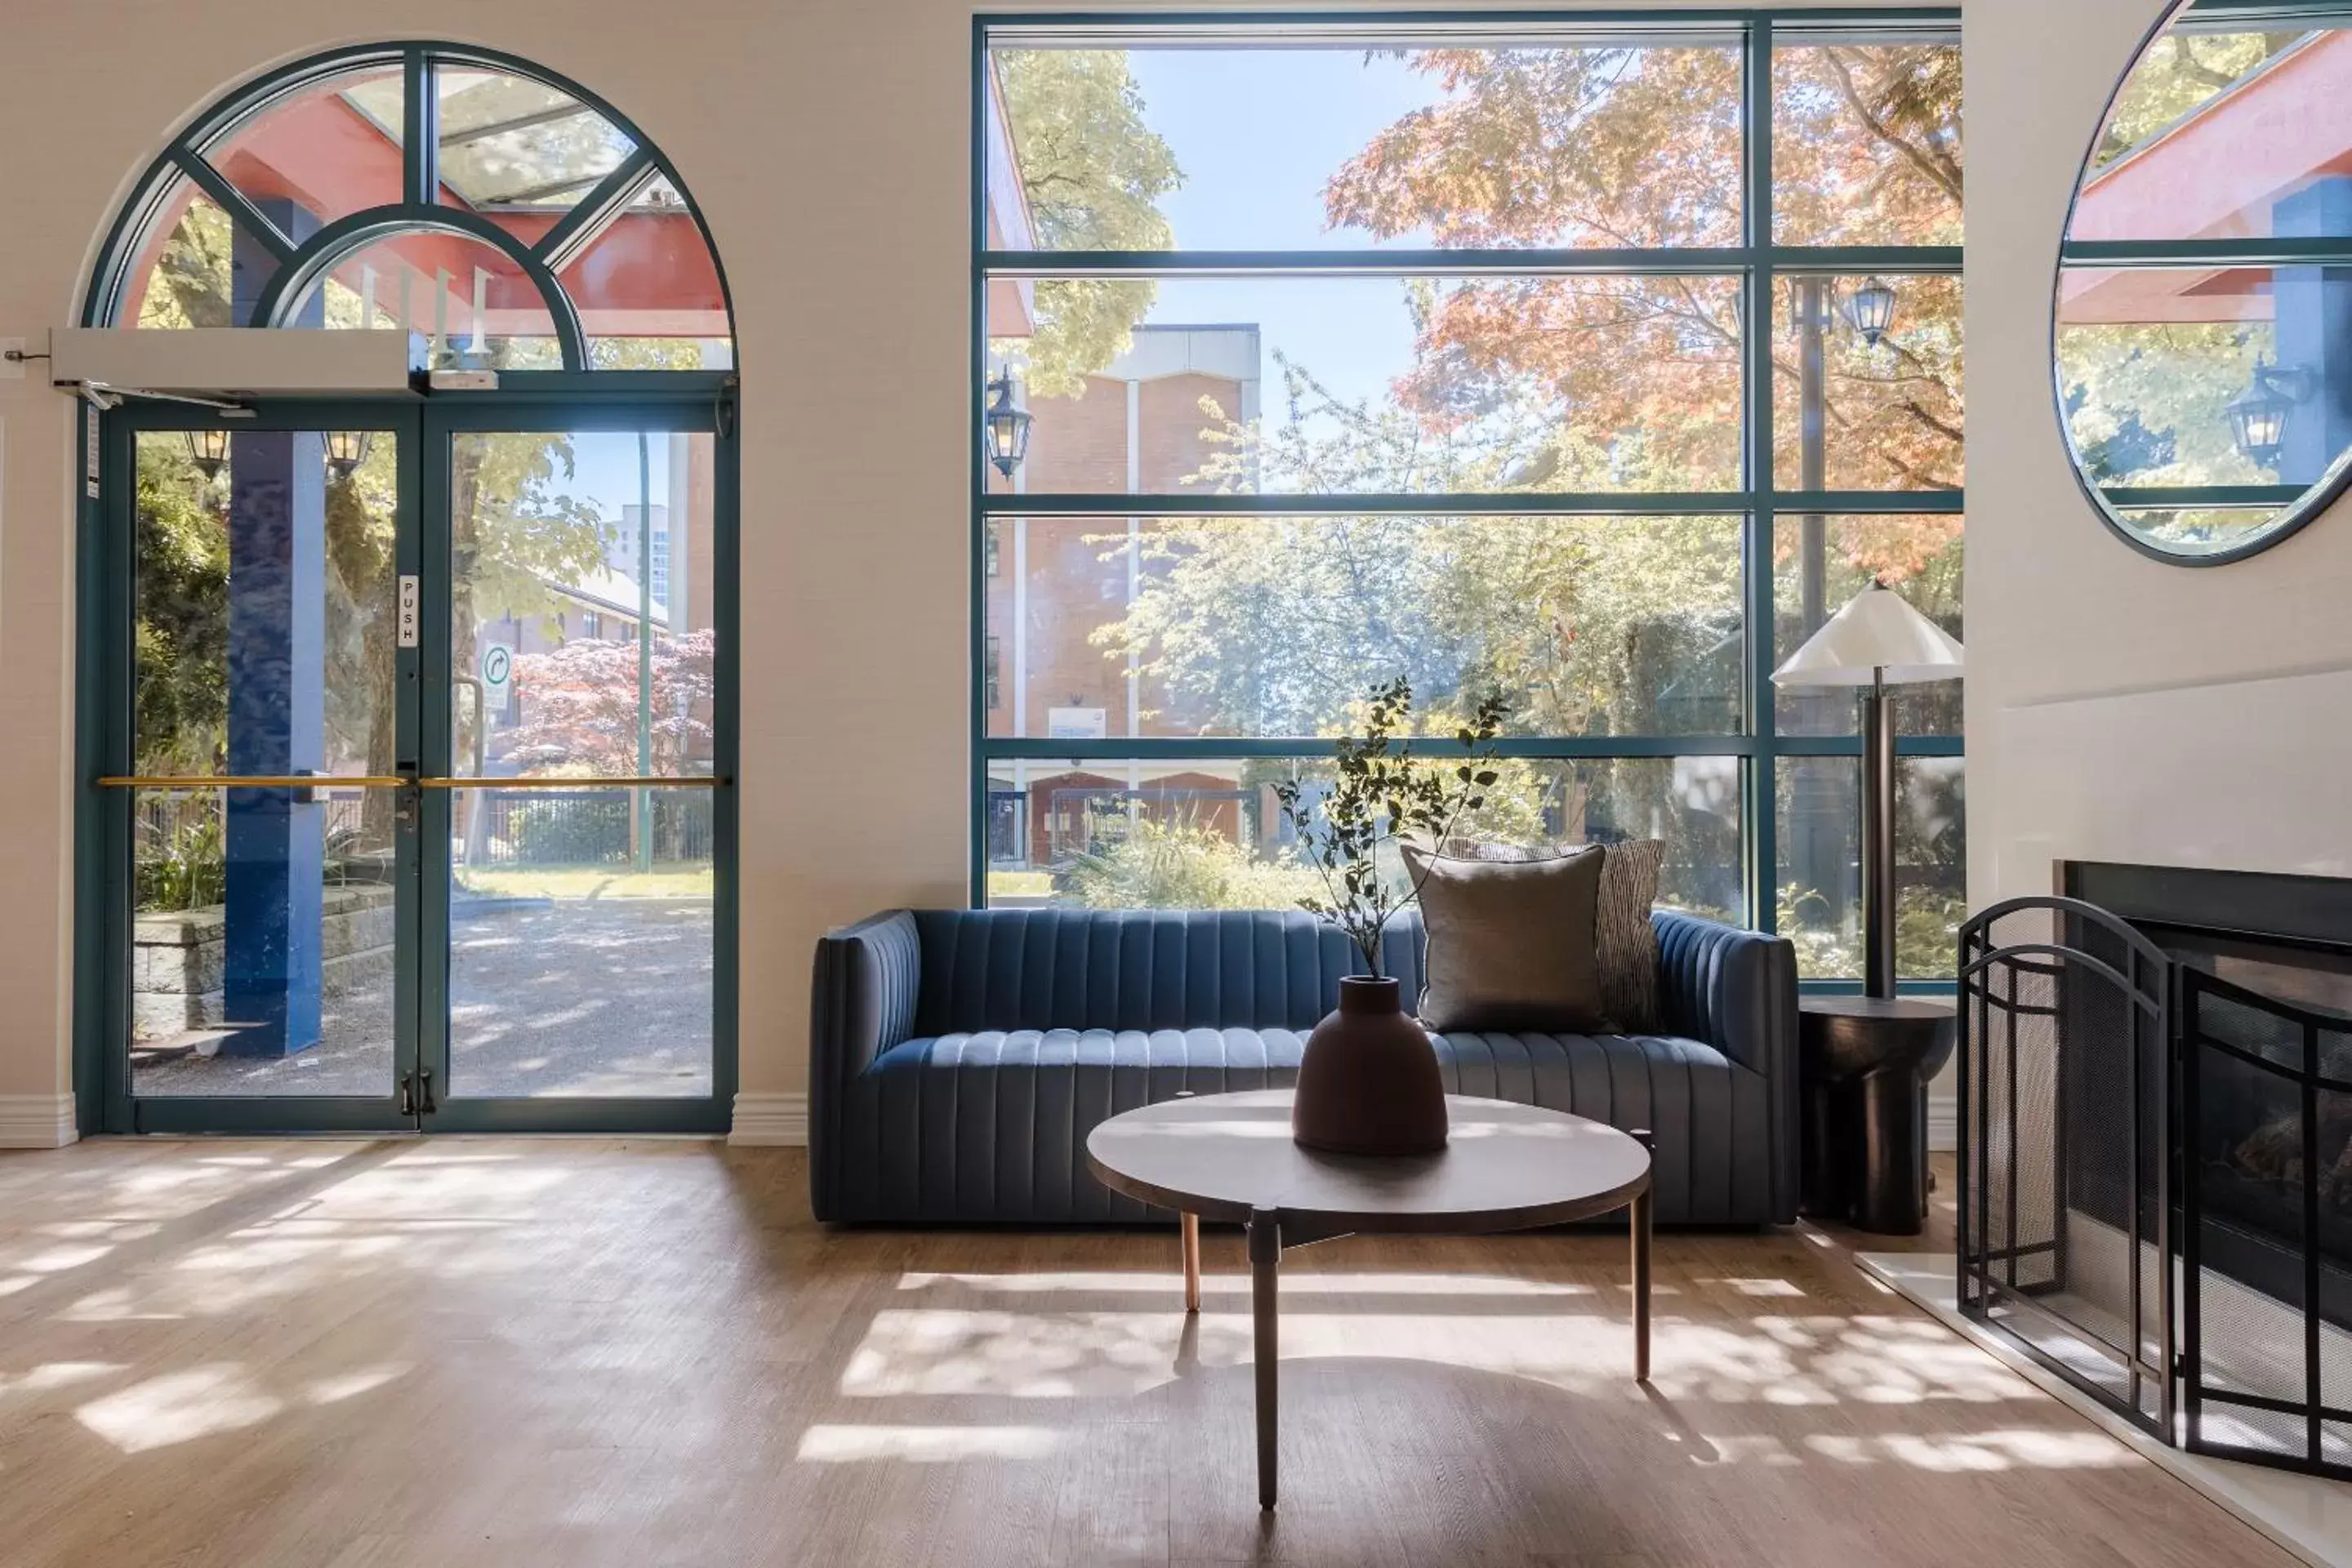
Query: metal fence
[590,827]
[582,827]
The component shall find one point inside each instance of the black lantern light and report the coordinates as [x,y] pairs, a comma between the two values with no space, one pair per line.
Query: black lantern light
[208,450]
[346,450]
[2258,416]
[1873,309]
[1005,428]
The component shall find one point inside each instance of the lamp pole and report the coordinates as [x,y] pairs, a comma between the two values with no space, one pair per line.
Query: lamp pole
[1818,816]
[644,812]
[1877,839]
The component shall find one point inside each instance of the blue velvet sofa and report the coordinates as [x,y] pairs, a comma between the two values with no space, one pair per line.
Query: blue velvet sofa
[959,1057]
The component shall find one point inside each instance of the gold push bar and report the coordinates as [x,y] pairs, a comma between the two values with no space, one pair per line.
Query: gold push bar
[646,781]
[253,781]
[375,780]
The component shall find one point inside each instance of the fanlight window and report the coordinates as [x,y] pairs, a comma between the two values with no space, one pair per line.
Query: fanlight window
[503,218]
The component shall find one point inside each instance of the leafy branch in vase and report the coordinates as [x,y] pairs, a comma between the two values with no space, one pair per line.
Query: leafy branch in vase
[1385,792]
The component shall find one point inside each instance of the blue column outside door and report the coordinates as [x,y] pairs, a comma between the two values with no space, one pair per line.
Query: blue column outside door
[2313,308]
[277,710]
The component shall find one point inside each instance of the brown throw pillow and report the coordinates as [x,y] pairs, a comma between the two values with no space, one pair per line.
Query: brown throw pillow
[1511,944]
[1626,942]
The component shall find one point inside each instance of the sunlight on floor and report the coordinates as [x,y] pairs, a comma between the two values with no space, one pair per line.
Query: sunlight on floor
[834,1444]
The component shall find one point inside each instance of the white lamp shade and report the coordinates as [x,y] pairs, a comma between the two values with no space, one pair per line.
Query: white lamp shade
[1878,634]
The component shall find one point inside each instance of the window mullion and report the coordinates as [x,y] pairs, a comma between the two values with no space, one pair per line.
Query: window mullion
[420,129]
[1761,789]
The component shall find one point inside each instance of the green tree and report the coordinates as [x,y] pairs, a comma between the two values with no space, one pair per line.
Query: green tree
[1092,174]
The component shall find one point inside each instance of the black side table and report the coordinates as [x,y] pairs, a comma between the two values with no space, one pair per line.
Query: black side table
[1863,1063]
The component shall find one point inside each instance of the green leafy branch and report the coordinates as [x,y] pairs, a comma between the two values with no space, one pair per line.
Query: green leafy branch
[1385,792]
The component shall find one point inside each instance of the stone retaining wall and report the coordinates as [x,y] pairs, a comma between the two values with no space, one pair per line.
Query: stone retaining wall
[177,960]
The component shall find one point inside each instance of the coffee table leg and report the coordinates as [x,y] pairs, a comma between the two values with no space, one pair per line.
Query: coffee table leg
[1191,1227]
[1641,1288]
[1641,1228]
[1265,1258]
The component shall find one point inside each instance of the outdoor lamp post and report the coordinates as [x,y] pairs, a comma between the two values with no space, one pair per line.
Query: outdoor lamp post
[2258,416]
[1005,428]
[347,450]
[208,450]
[1879,640]
[1872,308]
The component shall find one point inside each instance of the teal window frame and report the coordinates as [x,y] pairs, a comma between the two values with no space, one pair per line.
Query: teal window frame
[1759,262]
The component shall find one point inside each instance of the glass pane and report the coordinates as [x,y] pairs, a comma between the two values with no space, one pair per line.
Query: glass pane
[648,290]
[580,944]
[185,273]
[2190,376]
[262,934]
[1867,141]
[1203,833]
[1931,851]
[1374,384]
[262,931]
[1819,833]
[2223,130]
[1273,627]
[582,597]
[1850,413]
[323,152]
[2199,529]
[264,597]
[465,304]
[583,644]
[507,142]
[1608,141]
[1820,562]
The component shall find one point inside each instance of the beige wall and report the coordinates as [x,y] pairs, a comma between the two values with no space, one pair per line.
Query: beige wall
[2118,708]
[826,143]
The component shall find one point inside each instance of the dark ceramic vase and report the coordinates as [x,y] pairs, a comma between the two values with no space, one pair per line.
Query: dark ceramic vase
[1368,1082]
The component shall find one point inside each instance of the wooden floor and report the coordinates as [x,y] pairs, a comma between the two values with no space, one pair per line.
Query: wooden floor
[476,1352]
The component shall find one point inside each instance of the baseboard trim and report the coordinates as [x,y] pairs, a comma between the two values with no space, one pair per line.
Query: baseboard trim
[1943,1122]
[770,1121]
[38,1121]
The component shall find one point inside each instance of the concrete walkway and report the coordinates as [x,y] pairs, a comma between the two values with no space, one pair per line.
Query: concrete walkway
[579,997]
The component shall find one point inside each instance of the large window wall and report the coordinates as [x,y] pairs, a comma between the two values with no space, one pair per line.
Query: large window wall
[1593,358]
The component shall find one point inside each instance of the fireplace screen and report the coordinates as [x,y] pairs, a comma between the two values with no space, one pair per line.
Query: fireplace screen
[2065,1183]
[2266,1251]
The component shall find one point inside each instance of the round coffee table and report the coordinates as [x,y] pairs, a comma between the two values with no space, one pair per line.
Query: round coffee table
[1505,1167]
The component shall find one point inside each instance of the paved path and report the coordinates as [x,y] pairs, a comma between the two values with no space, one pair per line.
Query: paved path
[583,997]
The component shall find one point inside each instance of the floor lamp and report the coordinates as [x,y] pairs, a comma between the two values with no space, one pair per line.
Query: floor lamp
[1879,640]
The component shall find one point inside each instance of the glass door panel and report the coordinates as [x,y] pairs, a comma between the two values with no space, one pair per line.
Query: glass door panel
[582,797]
[265,910]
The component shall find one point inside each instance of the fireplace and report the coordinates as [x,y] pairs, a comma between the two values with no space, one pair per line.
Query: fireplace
[2164,1213]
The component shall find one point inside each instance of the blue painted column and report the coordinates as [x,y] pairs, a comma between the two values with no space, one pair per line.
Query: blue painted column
[277,710]
[2313,306]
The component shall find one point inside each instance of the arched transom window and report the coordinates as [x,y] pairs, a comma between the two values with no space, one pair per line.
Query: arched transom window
[506,218]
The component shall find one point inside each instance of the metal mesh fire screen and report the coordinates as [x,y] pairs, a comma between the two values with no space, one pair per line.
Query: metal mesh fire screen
[2266,1250]
[2065,1201]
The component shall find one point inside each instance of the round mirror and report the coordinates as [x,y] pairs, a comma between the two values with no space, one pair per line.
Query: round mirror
[2202,337]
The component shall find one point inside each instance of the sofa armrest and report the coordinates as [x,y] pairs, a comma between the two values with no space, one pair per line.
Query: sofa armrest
[861,1002]
[1737,991]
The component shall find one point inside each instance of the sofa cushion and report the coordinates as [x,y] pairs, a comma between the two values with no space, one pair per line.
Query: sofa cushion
[992,1124]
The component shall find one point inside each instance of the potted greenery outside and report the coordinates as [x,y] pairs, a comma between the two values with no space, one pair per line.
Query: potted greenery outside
[1369,1081]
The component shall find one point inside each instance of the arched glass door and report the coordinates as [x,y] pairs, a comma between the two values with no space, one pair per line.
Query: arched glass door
[413,715]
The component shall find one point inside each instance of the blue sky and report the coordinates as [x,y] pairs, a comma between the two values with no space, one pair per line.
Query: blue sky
[604,470]
[1257,133]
